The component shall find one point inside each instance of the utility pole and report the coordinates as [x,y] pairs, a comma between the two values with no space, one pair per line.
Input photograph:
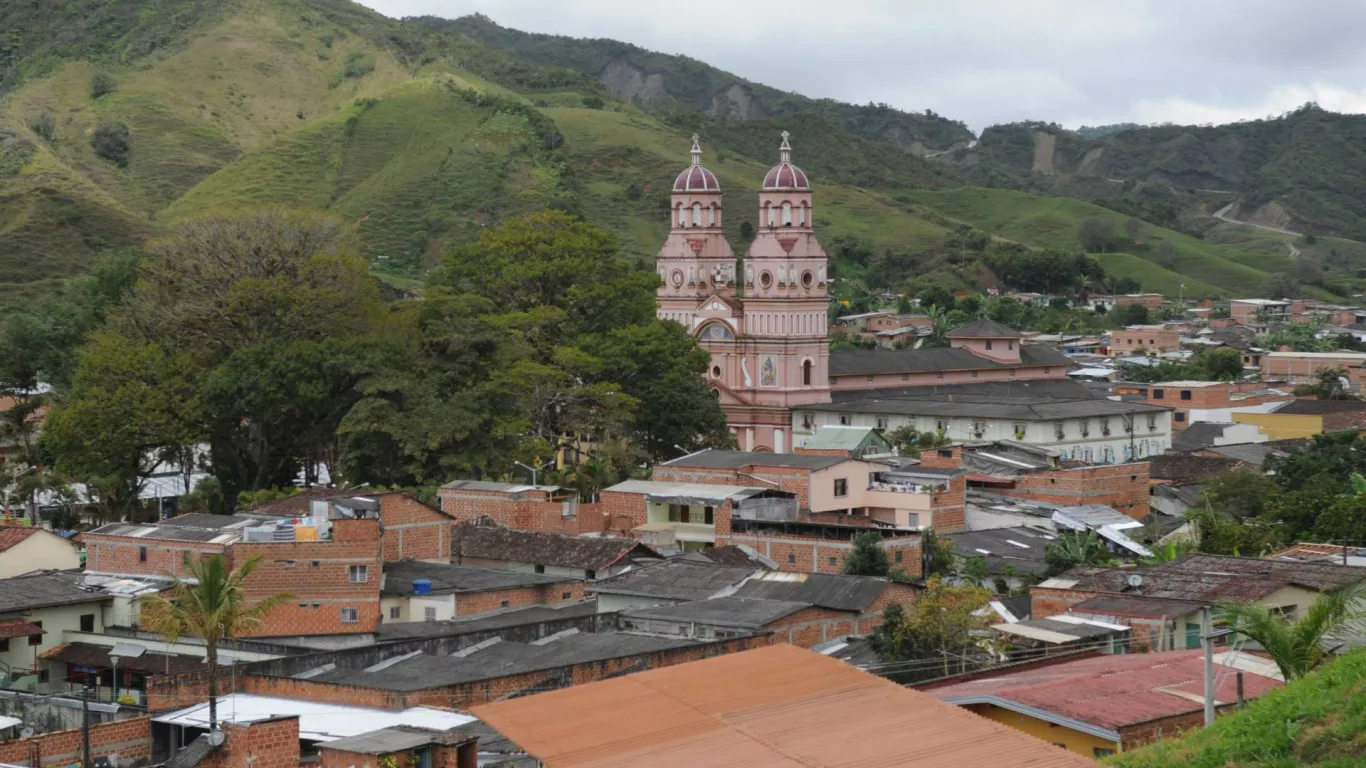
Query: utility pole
[85,728]
[1240,691]
[1207,639]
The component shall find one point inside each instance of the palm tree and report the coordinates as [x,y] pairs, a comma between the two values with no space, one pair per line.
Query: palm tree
[1073,548]
[210,604]
[1172,550]
[1297,646]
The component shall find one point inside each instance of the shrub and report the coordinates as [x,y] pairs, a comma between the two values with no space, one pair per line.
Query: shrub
[358,64]
[593,102]
[113,142]
[102,83]
[44,125]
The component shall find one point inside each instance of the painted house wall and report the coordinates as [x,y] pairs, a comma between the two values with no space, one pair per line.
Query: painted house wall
[1277,426]
[1073,741]
[42,550]
[56,620]
[1094,446]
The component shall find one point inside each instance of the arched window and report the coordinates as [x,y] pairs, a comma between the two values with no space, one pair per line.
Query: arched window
[697,214]
[787,214]
[806,373]
[711,216]
[770,213]
[801,216]
[682,216]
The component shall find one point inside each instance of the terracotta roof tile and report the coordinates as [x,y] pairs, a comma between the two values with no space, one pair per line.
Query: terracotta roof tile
[13,534]
[767,708]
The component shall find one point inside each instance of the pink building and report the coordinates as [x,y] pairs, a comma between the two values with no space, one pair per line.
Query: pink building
[765,328]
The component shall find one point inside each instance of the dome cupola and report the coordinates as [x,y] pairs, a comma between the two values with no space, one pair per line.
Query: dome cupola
[695,178]
[785,175]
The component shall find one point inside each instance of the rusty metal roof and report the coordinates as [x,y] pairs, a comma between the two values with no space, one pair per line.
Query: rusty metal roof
[775,707]
[1102,694]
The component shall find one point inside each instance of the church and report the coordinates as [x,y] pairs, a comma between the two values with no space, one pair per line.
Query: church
[765,324]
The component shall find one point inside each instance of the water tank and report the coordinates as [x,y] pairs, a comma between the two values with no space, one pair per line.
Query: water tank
[422,586]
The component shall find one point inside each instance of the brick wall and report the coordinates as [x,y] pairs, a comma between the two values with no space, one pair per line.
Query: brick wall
[932,457]
[946,507]
[270,743]
[412,530]
[1122,486]
[533,511]
[130,740]
[318,575]
[807,554]
[120,554]
[1045,602]
[621,511]
[1134,736]
[794,480]
[545,594]
[1144,339]
[813,626]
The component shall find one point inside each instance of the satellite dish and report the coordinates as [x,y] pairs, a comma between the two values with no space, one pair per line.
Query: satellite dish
[1135,580]
[27,733]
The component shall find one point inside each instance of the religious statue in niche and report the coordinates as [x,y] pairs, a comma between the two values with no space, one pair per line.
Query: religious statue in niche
[749,274]
[716,332]
[768,373]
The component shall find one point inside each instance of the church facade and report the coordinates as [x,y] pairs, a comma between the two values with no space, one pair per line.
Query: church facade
[764,323]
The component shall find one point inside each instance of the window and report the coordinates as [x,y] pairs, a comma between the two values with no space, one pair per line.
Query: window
[946,453]
[697,214]
[350,616]
[914,523]
[709,515]
[833,560]
[1046,369]
[939,374]
[359,574]
[1152,422]
[395,612]
[1185,394]
[1158,394]
[566,595]
[36,639]
[941,425]
[791,558]
[787,214]
[905,377]
[834,380]
[677,514]
[974,374]
[1010,345]
[1180,418]
[806,373]
[590,573]
[844,419]
[504,604]
[1102,752]
[429,613]
[882,422]
[841,487]
[289,563]
[896,556]
[540,569]
[4,644]
[988,343]
[142,554]
[870,379]
[87,622]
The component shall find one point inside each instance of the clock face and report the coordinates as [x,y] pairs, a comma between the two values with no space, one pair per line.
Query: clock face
[677,278]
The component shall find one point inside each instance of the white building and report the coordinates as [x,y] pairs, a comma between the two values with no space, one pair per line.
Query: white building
[1061,415]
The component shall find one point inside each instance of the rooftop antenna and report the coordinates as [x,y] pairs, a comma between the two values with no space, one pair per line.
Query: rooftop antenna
[696,150]
[785,149]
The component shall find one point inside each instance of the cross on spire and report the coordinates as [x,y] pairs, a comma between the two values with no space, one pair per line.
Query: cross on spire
[696,150]
[785,149]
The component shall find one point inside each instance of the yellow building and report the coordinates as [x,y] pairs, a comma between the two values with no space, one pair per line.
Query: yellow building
[1306,418]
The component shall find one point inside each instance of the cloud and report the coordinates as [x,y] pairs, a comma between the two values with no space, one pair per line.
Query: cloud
[992,61]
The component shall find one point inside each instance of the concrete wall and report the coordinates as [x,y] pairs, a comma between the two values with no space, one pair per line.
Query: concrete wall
[56,620]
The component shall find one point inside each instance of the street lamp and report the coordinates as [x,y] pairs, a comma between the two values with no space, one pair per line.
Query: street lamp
[534,470]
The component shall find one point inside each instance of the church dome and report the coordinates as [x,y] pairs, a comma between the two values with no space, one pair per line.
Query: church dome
[695,178]
[785,175]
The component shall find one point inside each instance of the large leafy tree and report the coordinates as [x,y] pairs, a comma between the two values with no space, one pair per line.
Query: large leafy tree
[1300,644]
[868,558]
[939,626]
[212,604]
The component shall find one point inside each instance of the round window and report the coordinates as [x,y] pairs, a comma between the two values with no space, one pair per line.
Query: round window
[766,279]
[677,277]
[807,279]
[716,371]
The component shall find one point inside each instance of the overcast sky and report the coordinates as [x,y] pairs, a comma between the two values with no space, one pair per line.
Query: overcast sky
[1073,62]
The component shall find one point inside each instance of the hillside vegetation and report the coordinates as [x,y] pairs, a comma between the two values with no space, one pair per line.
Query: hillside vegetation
[1316,722]
[118,121]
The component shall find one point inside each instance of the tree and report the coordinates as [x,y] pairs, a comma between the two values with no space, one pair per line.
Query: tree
[1097,234]
[938,554]
[1073,548]
[102,83]
[746,231]
[1222,364]
[940,625]
[1135,314]
[1329,384]
[1299,646]
[903,306]
[113,142]
[976,571]
[212,605]
[868,558]
[937,296]
[1166,553]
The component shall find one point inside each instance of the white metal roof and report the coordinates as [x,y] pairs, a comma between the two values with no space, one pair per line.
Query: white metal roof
[317,721]
[9,722]
[1034,633]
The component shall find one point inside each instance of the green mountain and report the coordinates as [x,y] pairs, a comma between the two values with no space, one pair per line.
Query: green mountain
[118,119]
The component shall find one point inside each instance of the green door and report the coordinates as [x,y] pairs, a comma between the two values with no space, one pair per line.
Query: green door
[1192,635]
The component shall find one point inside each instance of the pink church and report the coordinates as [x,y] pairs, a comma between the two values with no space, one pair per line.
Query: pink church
[765,326]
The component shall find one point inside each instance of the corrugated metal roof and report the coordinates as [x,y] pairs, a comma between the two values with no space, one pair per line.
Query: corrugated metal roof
[776,707]
[318,721]
[1109,692]
[838,438]
[674,580]
[1205,578]
[872,361]
[840,593]
[495,542]
[458,579]
[714,459]
[690,490]
[724,611]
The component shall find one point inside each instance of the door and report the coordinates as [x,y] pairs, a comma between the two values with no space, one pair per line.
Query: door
[1192,635]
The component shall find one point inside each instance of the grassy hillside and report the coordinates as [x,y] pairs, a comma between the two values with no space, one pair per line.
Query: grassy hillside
[1053,222]
[1316,722]
[651,78]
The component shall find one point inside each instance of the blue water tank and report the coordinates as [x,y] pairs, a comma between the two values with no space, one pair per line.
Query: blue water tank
[422,586]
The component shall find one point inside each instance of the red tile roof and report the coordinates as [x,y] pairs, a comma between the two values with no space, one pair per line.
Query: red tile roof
[776,707]
[1110,692]
[13,534]
[19,628]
